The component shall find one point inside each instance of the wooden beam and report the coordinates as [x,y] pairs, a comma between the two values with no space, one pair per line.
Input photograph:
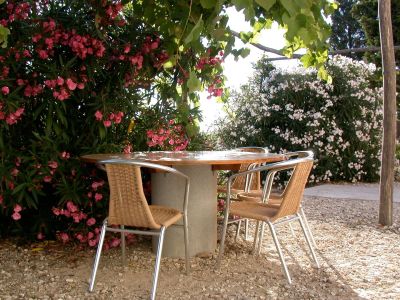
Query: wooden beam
[389,113]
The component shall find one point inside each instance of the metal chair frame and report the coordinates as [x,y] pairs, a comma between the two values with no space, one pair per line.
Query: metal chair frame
[272,170]
[247,186]
[152,232]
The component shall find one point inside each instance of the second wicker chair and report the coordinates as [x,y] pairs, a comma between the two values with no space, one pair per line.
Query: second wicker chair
[128,207]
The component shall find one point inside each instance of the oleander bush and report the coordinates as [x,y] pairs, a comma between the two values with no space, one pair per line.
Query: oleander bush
[80,77]
[287,111]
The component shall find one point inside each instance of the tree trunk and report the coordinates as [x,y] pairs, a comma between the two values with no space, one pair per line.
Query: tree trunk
[389,114]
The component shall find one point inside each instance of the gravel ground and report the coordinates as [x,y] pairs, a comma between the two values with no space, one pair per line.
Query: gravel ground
[359,260]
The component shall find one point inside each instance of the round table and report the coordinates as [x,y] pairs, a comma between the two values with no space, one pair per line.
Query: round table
[168,190]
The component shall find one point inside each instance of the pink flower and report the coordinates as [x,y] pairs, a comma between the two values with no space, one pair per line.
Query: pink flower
[47,178]
[127,48]
[71,85]
[79,237]
[19,112]
[98,196]
[16,216]
[14,172]
[17,208]
[98,115]
[65,155]
[92,243]
[5,90]
[40,236]
[128,149]
[56,211]
[43,54]
[53,164]
[91,221]
[60,80]
[26,53]
[107,123]
[71,207]
[64,237]
[81,86]
[97,184]
[90,235]
[115,242]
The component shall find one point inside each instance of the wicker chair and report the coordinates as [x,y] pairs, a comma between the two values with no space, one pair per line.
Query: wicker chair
[247,183]
[287,211]
[128,207]
[275,197]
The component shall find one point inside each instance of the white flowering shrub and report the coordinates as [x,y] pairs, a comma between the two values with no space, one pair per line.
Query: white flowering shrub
[341,122]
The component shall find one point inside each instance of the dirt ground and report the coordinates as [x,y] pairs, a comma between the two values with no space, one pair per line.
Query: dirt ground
[359,260]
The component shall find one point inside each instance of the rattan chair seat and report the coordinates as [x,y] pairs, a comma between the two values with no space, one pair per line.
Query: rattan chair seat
[274,200]
[222,189]
[253,210]
[165,216]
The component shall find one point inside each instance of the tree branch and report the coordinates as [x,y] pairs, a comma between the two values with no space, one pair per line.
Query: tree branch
[297,56]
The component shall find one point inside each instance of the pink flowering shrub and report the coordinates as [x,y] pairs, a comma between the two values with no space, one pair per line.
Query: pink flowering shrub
[74,77]
[168,136]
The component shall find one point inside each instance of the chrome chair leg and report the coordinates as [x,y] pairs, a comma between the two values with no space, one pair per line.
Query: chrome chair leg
[123,246]
[307,225]
[222,242]
[246,229]
[256,237]
[278,248]
[186,237]
[261,238]
[157,264]
[291,229]
[239,224]
[98,254]
[308,241]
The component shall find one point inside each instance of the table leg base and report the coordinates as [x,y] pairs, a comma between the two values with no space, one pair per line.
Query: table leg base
[168,190]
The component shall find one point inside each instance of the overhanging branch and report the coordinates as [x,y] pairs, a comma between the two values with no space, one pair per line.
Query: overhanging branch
[298,56]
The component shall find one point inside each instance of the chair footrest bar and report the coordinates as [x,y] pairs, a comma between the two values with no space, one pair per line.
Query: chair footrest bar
[134,231]
[294,218]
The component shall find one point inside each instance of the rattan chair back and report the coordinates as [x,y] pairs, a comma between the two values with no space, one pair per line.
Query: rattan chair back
[293,193]
[254,180]
[128,205]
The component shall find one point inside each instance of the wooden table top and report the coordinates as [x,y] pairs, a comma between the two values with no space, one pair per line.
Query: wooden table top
[219,159]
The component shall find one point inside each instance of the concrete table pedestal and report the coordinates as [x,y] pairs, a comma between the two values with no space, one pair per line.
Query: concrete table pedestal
[168,190]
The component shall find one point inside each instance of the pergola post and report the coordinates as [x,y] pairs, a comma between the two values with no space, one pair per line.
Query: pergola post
[389,113]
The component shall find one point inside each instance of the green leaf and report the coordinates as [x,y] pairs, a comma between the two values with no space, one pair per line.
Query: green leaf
[102,132]
[266,4]
[290,6]
[307,60]
[246,36]
[170,62]
[194,84]
[4,32]
[244,52]
[241,4]
[208,3]
[2,1]
[19,188]
[194,34]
